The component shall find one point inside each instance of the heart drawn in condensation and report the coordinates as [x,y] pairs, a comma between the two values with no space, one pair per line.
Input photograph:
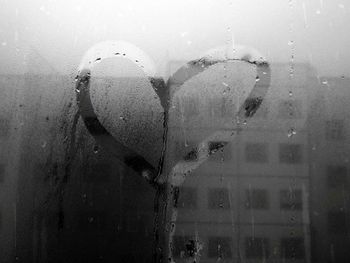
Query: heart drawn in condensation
[135,156]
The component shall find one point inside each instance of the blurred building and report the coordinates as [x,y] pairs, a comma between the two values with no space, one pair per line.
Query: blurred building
[278,190]
[329,135]
[10,126]
[250,201]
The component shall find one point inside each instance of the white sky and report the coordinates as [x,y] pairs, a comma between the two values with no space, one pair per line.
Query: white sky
[61,31]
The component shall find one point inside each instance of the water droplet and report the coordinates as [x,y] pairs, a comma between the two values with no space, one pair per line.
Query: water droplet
[325,82]
[290,93]
[257,78]
[291,132]
[343,77]
[122,118]
[76,78]
[77,89]
[98,60]
[225,84]
[43,144]
[95,149]
[91,219]
[291,43]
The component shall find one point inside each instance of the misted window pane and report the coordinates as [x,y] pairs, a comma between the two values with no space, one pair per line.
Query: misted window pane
[220,151]
[219,248]
[290,153]
[257,199]
[256,152]
[186,150]
[290,109]
[336,176]
[257,247]
[4,127]
[292,248]
[218,198]
[183,246]
[291,199]
[335,130]
[190,107]
[337,223]
[187,197]
[221,107]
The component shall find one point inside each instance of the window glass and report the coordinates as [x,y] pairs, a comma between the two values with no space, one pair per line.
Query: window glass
[290,153]
[219,247]
[257,199]
[257,247]
[256,152]
[174,131]
[291,199]
[218,198]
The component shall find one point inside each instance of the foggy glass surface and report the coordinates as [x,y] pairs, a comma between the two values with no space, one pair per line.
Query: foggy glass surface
[174,131]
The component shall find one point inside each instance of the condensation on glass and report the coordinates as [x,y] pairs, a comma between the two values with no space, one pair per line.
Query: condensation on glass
[174,131]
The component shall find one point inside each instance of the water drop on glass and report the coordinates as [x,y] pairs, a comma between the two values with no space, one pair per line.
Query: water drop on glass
[291,132]
[95,149]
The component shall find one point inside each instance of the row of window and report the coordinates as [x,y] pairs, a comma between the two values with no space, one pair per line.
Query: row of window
[224,107]
[218,198]
[254,152]
[336,178]
[255,247]
[4,127]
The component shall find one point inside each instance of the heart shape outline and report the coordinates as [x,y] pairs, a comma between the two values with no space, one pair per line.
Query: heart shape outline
[129,51]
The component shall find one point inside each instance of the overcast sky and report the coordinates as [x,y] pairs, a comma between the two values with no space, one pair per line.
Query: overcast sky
[58,32]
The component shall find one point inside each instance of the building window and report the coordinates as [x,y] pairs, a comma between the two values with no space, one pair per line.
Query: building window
[290,109]
[291,200]
[183,246]
[185,197]
[256,152]
[219,151]
[187,151]
[336,176]
[257,199]
[219,247]
[99,173]
[2,173]
[290,153]
[4,127]
[218,198]
[221,107]
[335,130]
[257,247]
[190,107]
[337,222]
[292,248]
